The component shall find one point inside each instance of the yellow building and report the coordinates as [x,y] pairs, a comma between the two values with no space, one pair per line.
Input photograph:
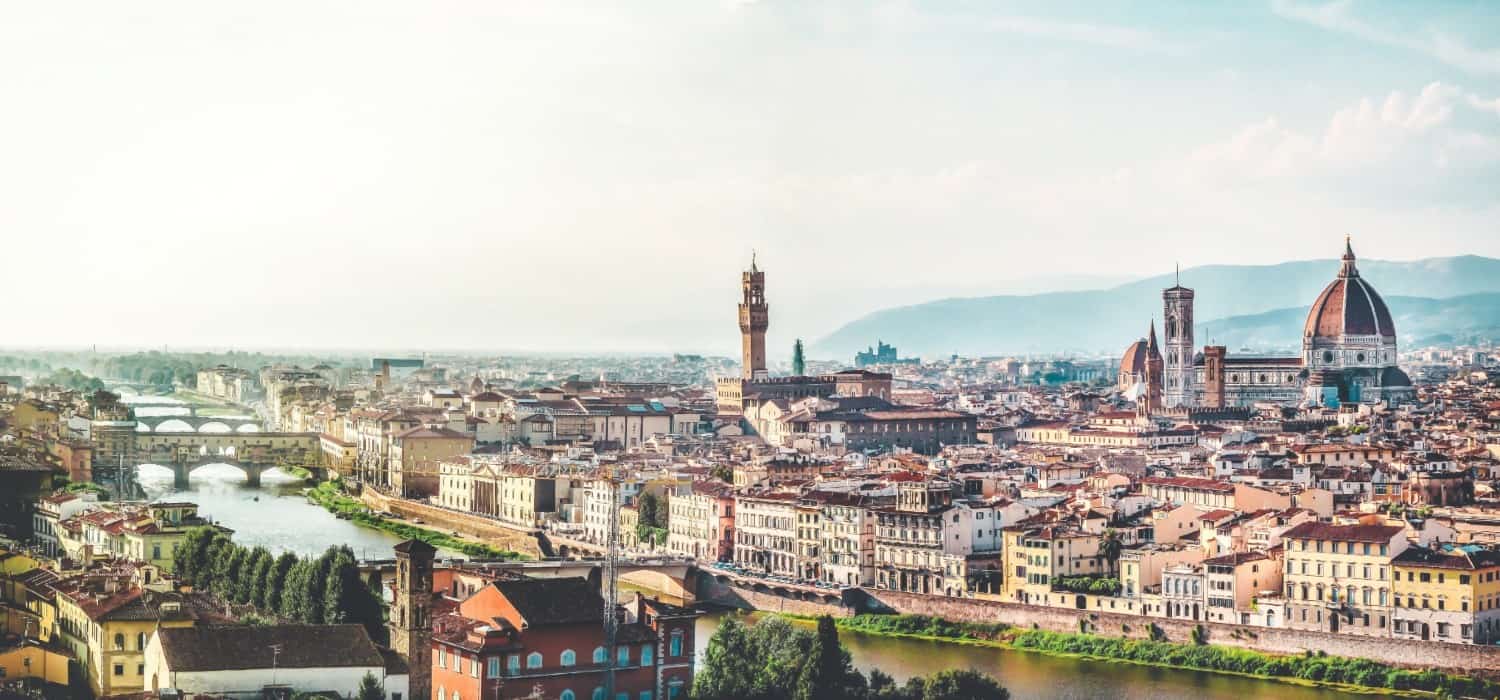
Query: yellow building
[1338,577]
[1447,595]
[414,457]
[29,658]
[1033,555]
[106,622]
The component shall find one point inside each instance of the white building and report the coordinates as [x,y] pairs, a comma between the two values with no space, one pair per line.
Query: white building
[242,661]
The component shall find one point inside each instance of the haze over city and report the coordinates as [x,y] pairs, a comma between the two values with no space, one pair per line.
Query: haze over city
[592,177]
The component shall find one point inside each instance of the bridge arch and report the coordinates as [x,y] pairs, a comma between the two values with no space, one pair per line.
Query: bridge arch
[215,426]
[175,425]
[248,428]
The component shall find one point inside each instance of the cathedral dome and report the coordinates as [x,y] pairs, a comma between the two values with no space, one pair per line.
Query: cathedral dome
[1134,361]
[1348,306]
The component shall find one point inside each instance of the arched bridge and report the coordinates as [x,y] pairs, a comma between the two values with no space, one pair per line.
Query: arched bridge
[198,424]
[252,453]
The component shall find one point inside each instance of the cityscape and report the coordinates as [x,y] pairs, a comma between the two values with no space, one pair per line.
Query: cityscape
[435,353]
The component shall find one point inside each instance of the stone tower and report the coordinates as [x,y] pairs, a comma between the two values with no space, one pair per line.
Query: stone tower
[1153,398]
[411,620]
[754,319]
[1177,310]
[1213,376]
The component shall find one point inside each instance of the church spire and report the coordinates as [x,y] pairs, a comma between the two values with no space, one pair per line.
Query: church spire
[1348,269]
[1151,338]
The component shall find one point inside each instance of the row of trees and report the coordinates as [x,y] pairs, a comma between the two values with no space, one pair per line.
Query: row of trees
[772,659]
[73,379]
[326,590]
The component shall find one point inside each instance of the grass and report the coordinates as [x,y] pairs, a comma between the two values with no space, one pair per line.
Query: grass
[1361,675]
[330,495]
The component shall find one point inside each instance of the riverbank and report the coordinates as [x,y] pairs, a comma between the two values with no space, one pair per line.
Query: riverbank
[331,497]
[1311,669]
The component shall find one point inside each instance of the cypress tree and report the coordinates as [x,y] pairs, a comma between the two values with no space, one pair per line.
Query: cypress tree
[256,575]
[276,581]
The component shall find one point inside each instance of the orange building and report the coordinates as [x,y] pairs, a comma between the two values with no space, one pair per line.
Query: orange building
[514,638]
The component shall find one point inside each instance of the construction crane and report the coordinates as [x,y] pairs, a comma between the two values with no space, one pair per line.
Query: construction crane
[611,580]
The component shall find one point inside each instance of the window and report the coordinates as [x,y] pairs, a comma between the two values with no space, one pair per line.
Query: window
[442,658]
[513,664]
[566,695]
[675,649]
[600,656]
[474,667]
[534,660]
[645,695]
[622,656]
[492,667]
[119,643]
[646,653]
[442,694]
[568,658]
[598,694]
[140,641]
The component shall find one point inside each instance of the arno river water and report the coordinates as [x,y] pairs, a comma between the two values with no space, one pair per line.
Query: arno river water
[278,517]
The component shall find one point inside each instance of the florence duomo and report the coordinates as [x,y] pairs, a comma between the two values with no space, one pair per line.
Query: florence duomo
[1348,356]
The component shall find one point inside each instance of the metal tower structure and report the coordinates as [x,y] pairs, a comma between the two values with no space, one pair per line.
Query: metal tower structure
[611,583]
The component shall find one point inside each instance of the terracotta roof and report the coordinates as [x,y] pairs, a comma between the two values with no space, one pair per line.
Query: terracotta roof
[561,601]
[211,648]
[1343,533]
[1188,482]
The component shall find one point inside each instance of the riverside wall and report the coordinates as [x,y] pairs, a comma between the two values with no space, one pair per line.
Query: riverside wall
[436,518]
[1457,658]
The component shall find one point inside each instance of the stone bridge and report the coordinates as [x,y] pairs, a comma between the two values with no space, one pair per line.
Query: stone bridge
[197,423]
[252,453]
[671,576]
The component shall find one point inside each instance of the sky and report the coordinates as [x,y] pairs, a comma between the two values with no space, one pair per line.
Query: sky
[580,177]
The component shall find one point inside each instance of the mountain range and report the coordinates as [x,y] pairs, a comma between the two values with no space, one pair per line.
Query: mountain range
[1257,306]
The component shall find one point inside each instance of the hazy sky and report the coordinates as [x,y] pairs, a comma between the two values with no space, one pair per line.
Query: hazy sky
[556,175]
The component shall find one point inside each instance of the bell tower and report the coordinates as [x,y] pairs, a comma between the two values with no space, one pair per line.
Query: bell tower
[411,619]
[1177,312]
[754,319]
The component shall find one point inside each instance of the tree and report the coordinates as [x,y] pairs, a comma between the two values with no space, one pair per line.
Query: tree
[965,684]
[730,665]
[346,597]
[369,688]
[1109,548]
[276,581]
[294,591]
[649,508]
[828,671]
[799,362]
[228,571]
[192,554]
[257,574]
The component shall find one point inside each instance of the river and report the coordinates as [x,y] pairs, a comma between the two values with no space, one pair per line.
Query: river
[278,517]
[1036,675]
[275,516]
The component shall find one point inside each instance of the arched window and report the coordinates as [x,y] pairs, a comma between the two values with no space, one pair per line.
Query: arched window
[600,656]
[534,660]
[566,695]
[568,658]
[140,641]
[598,694]
[119,642]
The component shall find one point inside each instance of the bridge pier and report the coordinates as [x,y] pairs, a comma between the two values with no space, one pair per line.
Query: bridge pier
[252,476]
[180,473]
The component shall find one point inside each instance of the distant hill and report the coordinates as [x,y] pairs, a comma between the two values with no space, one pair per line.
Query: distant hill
[1417,319]
[1108,319]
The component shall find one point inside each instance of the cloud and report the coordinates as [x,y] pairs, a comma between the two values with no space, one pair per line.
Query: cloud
[1113,36]
[1337,16]
[1392,132]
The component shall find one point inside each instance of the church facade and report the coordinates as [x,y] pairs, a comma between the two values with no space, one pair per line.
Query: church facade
[1348,356]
